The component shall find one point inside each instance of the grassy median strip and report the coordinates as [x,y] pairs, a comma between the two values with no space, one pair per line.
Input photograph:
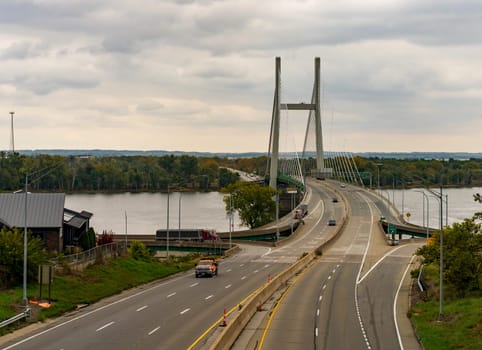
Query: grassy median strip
[71,289]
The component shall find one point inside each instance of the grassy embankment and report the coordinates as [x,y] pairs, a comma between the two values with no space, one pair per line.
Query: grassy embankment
[69,290]
[461,324]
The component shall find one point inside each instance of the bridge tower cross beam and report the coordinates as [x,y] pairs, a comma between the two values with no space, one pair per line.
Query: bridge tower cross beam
[315,106]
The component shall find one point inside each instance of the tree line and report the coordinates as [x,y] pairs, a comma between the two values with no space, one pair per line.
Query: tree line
[422,172]
[185,172]
[126,173]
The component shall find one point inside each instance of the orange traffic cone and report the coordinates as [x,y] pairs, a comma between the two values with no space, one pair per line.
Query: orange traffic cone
[224,324]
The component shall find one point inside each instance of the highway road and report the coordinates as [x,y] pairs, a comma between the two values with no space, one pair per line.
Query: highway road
[173,313]
[345,300]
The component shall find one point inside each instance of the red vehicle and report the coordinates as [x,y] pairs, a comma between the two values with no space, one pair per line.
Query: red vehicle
[301,211]
[208,235]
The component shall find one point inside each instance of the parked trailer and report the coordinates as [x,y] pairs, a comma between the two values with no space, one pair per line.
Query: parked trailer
[187,235]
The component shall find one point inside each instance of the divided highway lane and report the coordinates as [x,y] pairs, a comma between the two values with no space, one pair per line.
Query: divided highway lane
[169,314]
[377,290]
[320,311]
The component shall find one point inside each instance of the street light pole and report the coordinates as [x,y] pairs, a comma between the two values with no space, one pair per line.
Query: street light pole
[439,196]
[378,176]
[425,198]
[126,227]
[231,218]
[393,189]
[179,226]
[24,296]
[446,210]
[277,216]
[167,223]
[12,133]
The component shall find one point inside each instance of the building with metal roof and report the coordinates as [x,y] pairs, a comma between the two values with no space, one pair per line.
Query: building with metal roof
[45,216]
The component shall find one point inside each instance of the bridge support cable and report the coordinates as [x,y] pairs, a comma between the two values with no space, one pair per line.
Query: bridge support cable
[344,169]
[349,168]
[268,162]
[357,173]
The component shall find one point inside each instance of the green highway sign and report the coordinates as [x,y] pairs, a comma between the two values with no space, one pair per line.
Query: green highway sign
[392,229]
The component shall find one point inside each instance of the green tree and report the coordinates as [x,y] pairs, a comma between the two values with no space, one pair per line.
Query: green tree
[227,177]
[87,240]
[462,255]
[11,256]
[254,203]
[139,251]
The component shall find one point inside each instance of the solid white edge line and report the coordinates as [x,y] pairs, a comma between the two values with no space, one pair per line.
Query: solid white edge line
[378,262]
[395,303]
[357,306]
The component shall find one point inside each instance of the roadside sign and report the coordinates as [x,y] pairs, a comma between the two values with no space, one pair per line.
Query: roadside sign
[392,229]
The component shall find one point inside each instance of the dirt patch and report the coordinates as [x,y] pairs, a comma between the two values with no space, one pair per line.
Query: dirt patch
[477,330]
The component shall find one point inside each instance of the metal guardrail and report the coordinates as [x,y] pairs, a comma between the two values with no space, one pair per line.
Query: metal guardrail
[421,280]
[16,318]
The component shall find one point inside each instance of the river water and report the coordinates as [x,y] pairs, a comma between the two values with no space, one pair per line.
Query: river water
[147,212]
[460,201]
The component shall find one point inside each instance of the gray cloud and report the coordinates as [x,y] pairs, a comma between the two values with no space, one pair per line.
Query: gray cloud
[388,67]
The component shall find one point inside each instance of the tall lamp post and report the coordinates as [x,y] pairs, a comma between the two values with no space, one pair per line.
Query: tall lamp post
[378,176]
[11,133]
[126,228]
[277,216]
[439,196]
[231,218]
[167,224]
[40,173]
[425,198]
[179,216]
[24,295]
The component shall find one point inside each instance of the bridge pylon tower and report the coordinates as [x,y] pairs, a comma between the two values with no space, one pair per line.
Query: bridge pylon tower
[313,106]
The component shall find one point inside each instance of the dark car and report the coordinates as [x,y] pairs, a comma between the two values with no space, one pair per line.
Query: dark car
[332,222]
[334,200]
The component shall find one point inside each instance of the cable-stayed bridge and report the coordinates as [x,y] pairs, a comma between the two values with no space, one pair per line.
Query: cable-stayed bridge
[290,166]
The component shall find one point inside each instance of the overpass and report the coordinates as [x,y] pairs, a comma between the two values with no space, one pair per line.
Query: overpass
[393,229]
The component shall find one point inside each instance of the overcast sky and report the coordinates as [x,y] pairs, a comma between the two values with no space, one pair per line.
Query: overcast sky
[198,75]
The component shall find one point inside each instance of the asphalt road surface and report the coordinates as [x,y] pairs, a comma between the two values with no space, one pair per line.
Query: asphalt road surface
[173,313]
